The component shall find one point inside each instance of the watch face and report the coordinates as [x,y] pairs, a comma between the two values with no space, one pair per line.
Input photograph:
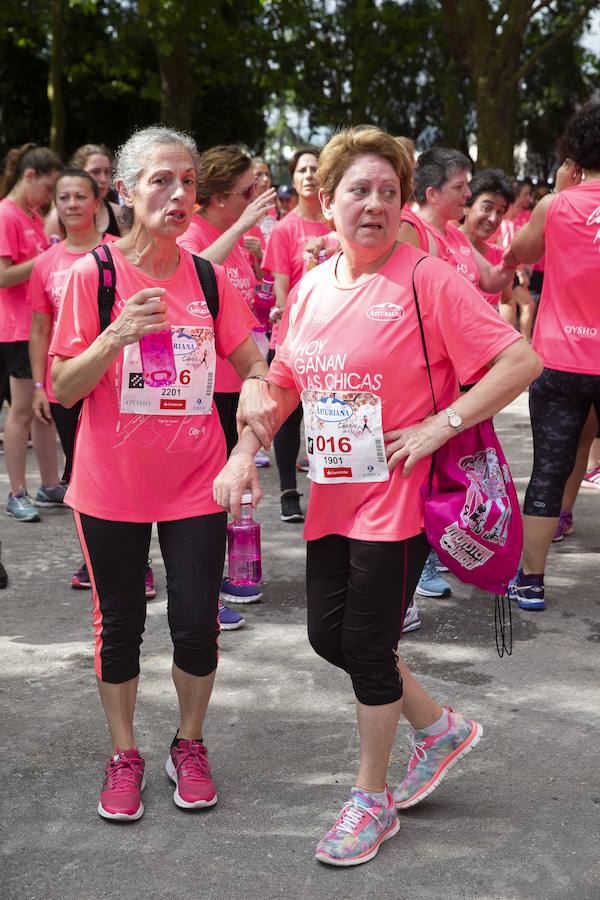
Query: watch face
[455,420]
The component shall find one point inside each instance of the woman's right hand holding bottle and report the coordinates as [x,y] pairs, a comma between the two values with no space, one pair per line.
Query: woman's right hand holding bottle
[144,313]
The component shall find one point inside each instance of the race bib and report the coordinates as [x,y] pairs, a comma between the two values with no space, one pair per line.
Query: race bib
[344,437]
[192,392]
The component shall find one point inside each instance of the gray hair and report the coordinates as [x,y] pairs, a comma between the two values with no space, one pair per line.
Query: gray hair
[132,156]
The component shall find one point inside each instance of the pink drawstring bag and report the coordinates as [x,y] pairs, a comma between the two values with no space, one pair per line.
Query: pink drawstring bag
[471,510]
[472,516]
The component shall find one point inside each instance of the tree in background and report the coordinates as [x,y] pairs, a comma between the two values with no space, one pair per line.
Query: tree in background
[500,44]
[260,71]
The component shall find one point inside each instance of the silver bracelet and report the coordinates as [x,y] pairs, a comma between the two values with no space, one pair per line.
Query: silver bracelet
[257,378]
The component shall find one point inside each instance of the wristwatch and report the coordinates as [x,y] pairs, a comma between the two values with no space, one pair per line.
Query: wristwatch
[455,420]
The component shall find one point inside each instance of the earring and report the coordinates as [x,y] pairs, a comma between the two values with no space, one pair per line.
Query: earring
[221,204]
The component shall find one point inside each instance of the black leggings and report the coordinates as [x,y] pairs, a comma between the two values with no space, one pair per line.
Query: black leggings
[66,424]
[117,555]
[559,404]
[286,445]
[358,592]
[227,404]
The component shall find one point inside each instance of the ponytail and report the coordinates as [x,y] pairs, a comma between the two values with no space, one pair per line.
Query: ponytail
[42,160]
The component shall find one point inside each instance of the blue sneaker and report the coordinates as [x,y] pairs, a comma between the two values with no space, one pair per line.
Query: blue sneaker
[431,584]
[21,508]
[51,496]
[228,619]
[438,563]
[527,591]
[239,593]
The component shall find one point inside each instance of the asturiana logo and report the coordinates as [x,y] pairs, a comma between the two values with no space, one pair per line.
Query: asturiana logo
[581,330]
[385,312]
[184,343]
[330,409]
[198,308]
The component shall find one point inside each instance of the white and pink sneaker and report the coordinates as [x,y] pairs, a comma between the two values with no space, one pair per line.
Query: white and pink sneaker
[121,795]
[188,766]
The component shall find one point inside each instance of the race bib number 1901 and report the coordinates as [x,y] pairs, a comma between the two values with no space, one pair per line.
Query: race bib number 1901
[344,437]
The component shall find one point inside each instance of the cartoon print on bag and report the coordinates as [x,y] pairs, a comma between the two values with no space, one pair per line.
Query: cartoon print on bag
[487,487]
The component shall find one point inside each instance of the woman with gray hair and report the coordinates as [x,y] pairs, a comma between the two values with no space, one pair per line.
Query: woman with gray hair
[148,448]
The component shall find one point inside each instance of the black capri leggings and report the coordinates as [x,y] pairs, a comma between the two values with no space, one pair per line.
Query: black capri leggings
[227,404]
[66,425]
[286,445]
[117,555]
[358,592]
[559,404]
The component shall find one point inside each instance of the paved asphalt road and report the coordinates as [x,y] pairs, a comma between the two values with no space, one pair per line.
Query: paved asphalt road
[519,819]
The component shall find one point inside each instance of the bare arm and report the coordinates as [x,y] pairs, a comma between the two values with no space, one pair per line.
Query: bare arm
[39,341]
[493,279]
[77,376]
[14,274]
[509,374]
[528,243]
[222,247]
[239,474]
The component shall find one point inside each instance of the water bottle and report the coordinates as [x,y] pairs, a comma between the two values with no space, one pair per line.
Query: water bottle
[158,361]
[243,546]
[264,301]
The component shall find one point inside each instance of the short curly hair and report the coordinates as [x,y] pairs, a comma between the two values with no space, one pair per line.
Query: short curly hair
[581,140]
[350,143]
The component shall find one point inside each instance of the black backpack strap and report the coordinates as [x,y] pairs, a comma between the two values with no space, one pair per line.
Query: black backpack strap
[106,287]
[208,283]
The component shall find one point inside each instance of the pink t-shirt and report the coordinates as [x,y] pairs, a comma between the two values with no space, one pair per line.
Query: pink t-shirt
[567,328]
[45,287]
[366,338]
[493,253]
[285,249]
[144,468]
[452,245]
[200,235]
[21,238]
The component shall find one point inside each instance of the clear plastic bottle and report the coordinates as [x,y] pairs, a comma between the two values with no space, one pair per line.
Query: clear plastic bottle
[264,301]
[158,360]
[243,546]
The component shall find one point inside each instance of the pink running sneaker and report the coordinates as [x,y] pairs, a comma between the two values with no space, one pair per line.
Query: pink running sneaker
[360,830]
[434,756]
[121,796]
[149,588]
[592,479]
[188,766]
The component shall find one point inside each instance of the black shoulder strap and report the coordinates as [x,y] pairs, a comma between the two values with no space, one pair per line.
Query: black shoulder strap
[418,308]
[107,284]
[208,283]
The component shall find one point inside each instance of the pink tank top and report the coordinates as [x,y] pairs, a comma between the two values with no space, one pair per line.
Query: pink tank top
[567,330]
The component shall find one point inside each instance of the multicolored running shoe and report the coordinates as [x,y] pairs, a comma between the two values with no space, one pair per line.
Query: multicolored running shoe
[433,756]
[360,829]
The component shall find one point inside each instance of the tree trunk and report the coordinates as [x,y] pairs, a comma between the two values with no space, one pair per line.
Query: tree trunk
[54,89]
[177,88]
[497,106]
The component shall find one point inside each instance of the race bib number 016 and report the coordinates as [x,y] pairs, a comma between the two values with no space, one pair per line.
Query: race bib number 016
[192,392]
[344,437]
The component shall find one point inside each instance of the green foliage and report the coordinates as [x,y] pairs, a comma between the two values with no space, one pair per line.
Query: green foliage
[255,69]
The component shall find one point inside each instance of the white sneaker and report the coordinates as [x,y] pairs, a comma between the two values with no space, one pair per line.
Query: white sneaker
[412,619]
